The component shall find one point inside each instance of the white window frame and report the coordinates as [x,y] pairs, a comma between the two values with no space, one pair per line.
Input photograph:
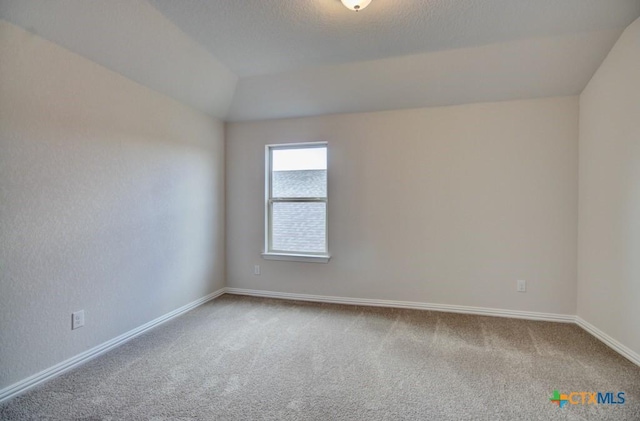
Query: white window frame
[269,253]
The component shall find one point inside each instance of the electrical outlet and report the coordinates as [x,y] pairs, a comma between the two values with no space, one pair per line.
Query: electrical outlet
[521,286]
[256,269]
[77,319]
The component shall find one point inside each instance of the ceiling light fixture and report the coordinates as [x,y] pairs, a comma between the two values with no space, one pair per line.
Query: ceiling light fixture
[355,4]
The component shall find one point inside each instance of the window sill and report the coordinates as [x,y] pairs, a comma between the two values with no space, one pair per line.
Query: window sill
[310,258]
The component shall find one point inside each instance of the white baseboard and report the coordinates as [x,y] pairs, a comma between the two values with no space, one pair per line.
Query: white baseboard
[621,349]
[51,372]
[32,381]
[482,311]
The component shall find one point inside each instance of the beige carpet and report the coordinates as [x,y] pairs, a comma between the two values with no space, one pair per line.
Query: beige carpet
[240,358]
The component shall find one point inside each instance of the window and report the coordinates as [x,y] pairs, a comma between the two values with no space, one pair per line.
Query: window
[296,202]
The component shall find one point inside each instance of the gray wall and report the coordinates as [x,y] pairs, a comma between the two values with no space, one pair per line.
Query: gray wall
[111,201]
[609,240]
[443,205]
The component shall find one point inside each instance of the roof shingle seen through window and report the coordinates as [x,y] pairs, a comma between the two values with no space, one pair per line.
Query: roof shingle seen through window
[299,227]
[300,183]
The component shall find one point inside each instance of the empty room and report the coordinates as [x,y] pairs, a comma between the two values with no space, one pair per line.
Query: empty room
[320,210]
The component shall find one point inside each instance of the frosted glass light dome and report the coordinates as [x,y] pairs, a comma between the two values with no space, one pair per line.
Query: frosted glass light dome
[356,4]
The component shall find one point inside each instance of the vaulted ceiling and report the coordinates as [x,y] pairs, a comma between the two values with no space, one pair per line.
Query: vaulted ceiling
[256,59]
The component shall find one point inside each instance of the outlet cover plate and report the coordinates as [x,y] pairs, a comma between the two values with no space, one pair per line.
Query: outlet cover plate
[522,286]
[77,319]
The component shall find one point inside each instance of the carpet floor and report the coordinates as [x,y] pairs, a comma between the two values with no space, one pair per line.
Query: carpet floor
[242,358]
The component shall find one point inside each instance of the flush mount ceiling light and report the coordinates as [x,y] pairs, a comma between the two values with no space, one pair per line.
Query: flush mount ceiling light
[355,4]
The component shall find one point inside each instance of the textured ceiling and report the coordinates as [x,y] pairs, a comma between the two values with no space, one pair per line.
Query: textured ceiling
[530,68]
[307,57]
[256,37]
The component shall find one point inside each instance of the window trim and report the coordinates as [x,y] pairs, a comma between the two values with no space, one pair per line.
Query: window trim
[269,253]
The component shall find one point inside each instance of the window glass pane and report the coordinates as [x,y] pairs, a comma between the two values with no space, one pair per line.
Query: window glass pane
[299,183]
[299,226]
[299,172]
[309,158]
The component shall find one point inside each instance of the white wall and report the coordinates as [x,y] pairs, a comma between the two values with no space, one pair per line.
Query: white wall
[609,229]
[442,205]
[111,201]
